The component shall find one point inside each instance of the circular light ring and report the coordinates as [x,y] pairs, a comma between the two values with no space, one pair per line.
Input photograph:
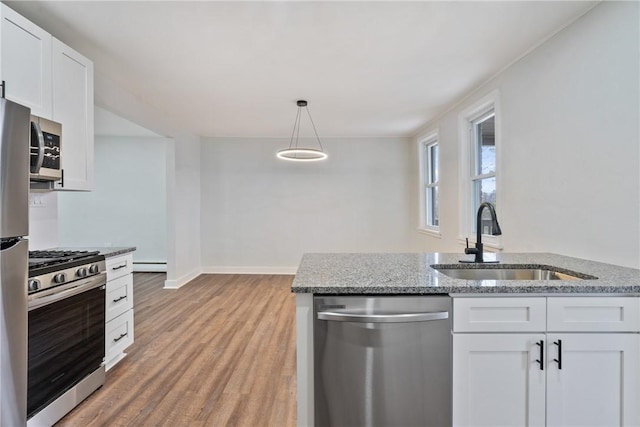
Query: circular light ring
[301,154]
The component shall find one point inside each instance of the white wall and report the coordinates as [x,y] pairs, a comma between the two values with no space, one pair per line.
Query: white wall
[184,211]
[260,214]
[128,206]
[183,177]
[43,221]
[570,177]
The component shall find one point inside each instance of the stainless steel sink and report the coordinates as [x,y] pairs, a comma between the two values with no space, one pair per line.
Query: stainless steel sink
[508,274]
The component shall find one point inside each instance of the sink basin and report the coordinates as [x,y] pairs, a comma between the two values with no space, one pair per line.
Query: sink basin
[508,273]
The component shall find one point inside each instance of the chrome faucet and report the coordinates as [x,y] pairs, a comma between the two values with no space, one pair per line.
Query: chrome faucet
[495,231]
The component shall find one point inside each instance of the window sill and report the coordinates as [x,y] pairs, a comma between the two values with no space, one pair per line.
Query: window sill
[488,242]
[433,232]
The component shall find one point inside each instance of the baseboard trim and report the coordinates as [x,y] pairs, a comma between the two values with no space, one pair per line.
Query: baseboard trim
[217,269]
[176,284]
[152,267]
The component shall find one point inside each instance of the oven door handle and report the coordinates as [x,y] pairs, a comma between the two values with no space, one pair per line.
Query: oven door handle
[43,298]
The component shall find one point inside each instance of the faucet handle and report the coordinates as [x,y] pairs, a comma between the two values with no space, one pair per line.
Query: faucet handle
[470,251]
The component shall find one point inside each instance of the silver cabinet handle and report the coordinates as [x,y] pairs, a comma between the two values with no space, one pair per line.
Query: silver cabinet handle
[383,318]
[119,267]
[120,298]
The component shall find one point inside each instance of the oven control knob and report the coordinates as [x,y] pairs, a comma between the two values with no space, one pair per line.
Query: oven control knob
[59,278]
[94,269]
[34,285]
[81,272]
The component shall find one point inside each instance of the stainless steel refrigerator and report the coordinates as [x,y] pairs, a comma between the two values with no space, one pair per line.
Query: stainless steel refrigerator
[14,253]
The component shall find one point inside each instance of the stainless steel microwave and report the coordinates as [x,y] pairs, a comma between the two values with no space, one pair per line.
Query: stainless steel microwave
[45,150]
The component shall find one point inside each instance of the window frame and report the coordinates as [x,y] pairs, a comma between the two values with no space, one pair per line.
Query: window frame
[475,162]
[469,118]
[425,143]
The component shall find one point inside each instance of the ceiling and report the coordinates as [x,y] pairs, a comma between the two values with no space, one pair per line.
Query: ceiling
[236,68]
[108,124]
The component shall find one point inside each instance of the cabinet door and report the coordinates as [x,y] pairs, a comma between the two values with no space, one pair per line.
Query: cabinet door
[597,382]
[119,266]
[25,62]
[118,336]
[119,297]
[593,314]
[499,314]
[498,380]
[73,107]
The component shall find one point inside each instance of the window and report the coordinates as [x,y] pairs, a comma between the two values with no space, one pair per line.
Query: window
[430,218]
[479,130]
[431,185]
[483,164]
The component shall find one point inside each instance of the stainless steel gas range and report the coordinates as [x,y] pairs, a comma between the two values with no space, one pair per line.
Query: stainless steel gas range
[66,327]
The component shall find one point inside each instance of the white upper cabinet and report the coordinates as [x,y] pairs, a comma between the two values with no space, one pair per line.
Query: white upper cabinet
[73,107]
[56,82]
[25,62]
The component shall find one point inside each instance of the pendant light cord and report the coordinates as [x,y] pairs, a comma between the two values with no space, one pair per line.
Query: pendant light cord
[296,123]
[299,122]
[296,129]
[314,128]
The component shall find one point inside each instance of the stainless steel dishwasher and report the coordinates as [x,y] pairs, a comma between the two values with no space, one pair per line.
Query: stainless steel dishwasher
[382,361]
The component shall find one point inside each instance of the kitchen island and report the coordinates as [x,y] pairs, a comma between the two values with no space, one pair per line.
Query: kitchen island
[592,325]
[412,274]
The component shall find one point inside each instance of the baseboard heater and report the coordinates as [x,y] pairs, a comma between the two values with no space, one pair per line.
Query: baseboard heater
[150,266]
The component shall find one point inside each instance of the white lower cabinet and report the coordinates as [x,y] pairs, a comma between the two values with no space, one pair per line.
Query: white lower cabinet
[119,308]
[497,380]
[546,378]
[119,336]
[592,380]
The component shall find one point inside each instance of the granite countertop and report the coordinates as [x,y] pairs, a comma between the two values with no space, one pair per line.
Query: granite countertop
[108,252]
[362,273]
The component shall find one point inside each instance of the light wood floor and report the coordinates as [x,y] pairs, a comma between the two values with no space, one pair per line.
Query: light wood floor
[218,351]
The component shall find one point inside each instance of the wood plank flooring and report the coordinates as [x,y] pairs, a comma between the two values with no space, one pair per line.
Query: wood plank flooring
[220,351]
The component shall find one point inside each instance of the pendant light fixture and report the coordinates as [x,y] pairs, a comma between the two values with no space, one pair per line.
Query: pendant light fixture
[302,154]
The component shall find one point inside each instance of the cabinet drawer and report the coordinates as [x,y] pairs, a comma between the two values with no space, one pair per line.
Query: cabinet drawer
[499,314]
[119,266]
[119,335]
[119,296]
[595,314]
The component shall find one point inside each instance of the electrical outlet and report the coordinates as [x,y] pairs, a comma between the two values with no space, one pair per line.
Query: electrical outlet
[37,201]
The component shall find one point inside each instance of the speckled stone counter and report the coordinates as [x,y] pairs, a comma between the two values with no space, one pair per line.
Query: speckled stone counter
[108,252]
[412,274]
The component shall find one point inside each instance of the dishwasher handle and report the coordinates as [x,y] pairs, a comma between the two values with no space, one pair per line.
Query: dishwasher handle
[382,318]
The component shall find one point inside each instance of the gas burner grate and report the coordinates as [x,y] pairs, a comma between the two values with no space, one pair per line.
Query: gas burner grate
[44,258]
[61,254]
